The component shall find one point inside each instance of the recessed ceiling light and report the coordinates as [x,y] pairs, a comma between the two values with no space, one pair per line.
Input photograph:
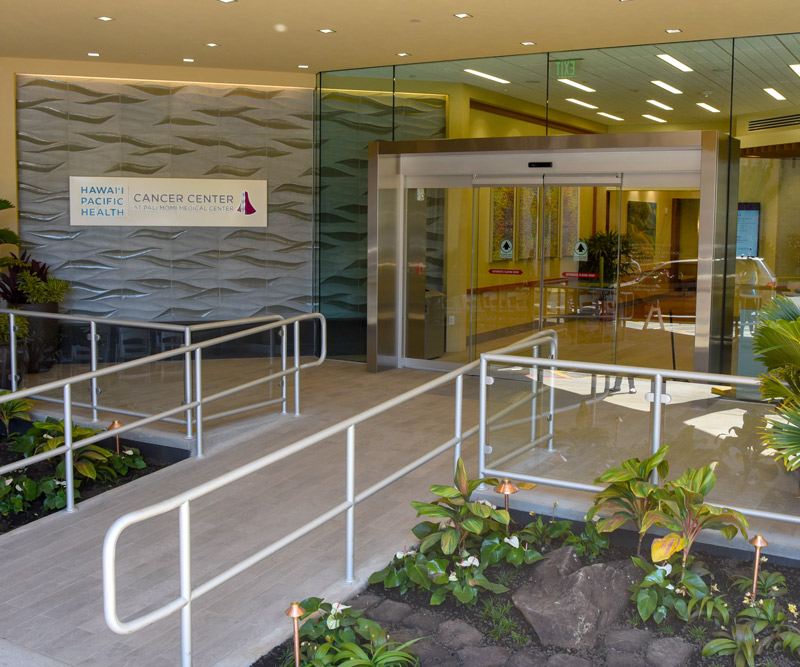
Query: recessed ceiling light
[674,62]
[302,67]
[655,118]
[528,43]
[660,105]
[212,45]
[707,107]
[774,93]
[666,86]
[403,55]
[326,31]
[463,16]
[673,31]
[227,1]
[575,84]
[104,18]
[795,69]
[188,60]
[416,21]
[486,76]
[608,115]
[93,55]
[583,104]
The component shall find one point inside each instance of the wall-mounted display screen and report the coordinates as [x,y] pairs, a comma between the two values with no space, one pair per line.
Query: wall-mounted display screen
[747,229]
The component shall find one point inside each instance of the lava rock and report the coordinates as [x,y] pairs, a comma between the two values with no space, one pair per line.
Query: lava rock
[622,659]
[485,656]
[390,611]
[527,658]
[566,660]
[458,634]
[669,652]
[628,641]
[365,601]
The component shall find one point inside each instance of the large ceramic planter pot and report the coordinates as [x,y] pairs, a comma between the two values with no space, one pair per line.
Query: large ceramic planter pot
[43,347]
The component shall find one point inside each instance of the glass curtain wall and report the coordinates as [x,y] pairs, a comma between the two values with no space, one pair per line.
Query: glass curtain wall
[715,84]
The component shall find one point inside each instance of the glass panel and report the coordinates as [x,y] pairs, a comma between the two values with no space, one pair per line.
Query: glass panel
[354,108]
[617,90]
[768,238]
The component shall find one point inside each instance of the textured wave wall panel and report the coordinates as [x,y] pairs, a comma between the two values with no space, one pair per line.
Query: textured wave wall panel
[69,127]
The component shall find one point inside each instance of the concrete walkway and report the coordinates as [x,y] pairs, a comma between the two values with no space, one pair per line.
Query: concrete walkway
[52,580]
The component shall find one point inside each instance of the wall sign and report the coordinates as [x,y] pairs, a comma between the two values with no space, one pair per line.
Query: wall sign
[167,202]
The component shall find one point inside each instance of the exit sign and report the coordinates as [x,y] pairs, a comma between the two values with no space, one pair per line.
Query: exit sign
[565,69]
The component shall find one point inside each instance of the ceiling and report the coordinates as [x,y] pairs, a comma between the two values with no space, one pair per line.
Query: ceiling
[278,35]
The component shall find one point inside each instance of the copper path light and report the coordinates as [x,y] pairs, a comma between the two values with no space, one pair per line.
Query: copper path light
[295,611]
[506,488]
[113,426]
[758,542]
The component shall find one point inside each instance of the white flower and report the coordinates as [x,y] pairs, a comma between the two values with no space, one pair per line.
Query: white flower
[332,622]
[513,541]
[47,436]
[17,487]
[8,480]
[483,501]
[338,607]
[666,567]
[127,452]
[453,576]
[670,587]
[468,562]
[405,552]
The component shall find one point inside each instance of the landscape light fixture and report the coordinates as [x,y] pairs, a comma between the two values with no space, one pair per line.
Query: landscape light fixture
[506,488]
[113,426]
[758,542]
[295,611]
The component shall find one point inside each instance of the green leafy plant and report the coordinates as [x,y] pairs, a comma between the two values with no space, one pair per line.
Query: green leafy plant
[38,290]
[498,616]
[768,584]
[16,494]
[510,548]
[740,642]
[666,589]
[630,493]
[335,634]
[606,251]
[16,408]
[55,492]
[681,510]
[590,543]
[543,533]
[21,325]
[463,521]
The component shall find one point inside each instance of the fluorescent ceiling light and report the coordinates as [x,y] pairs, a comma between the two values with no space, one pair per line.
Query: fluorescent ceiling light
[188,60]
[673,31]
[674,62]
[227,1]
[583,104]
[93,55]
[104,18]
[795,69]
[774,93]
[486,76]
[302,67]
[666,86]
[660,105]
[575,84]
[528,43]
[608,115]
[655,118]
[402,55]
[707,107]
[212,45]
[326,31]
[463,16]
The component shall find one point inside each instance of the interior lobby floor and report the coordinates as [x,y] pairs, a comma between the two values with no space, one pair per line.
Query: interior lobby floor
[53,612]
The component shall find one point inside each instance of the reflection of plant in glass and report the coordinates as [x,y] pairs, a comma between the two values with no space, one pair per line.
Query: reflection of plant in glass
[604,251]
[16,408]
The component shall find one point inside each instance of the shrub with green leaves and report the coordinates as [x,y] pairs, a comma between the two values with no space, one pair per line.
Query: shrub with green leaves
[16,408]
[335,634]
[768,584]
[542,533]
[590,543]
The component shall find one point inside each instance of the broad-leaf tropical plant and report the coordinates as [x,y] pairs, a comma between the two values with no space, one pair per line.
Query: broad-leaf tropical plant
[630,493]
[682,510]
[462,521]
[776,342]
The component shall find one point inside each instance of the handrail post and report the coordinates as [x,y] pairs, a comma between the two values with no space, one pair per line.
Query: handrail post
[69,471]
[185,547]
[283,333]
[12,349]
[552,416]
[187,380]
[458,419]
[297,368]
[534,391]
[656,414]
[350,493]
[93,365]
[482,422]
[198,396]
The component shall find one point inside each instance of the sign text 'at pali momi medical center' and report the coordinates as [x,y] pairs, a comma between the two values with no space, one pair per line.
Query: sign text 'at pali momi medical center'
[167,202]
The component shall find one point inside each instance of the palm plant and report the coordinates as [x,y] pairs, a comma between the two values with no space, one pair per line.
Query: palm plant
[776,341]
[607,251]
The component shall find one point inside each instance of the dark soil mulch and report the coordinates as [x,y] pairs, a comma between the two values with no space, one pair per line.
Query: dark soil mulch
[722,567]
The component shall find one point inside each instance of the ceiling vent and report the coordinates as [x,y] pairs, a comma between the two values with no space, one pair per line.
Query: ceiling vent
[770,123]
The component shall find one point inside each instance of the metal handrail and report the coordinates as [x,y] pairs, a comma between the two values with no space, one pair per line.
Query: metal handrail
[68,448]
[181,502]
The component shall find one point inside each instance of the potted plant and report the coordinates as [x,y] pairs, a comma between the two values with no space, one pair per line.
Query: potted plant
[27,284]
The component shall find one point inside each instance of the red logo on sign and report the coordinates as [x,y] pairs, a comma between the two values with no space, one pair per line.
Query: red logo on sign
[578,274]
